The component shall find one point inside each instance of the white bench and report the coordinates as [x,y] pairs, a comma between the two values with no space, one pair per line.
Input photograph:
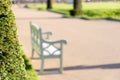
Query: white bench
[46,48]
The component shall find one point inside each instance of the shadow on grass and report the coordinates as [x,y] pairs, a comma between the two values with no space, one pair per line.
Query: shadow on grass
[83,18]
[108,19]
[37,18]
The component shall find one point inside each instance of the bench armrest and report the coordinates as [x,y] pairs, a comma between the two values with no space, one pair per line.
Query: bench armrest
[47,34]
[55,41]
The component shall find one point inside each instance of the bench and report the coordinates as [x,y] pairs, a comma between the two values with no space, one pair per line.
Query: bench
[46,48]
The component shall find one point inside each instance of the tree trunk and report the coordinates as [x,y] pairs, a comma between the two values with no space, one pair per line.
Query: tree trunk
[77,8]
[49,4]
[77,5]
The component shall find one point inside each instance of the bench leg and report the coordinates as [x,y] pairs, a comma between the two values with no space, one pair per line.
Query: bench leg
[32,53]
[42,66]
[61,64]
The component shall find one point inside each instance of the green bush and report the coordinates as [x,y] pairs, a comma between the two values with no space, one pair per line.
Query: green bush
[28,65]
[12,65]
[32,75]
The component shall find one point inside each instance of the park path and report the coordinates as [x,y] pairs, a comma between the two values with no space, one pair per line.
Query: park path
[93,49]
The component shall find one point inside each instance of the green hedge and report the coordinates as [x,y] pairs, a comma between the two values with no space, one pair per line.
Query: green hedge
[12,61]
[32,75]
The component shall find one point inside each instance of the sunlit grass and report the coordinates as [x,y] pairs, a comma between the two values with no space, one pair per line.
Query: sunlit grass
[90,10]
[101,5]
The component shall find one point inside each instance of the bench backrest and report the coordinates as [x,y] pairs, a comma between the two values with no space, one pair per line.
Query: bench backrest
[45,48]
[36,37]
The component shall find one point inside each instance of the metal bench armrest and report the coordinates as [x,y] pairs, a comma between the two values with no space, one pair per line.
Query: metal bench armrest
[48,33]
[55,41]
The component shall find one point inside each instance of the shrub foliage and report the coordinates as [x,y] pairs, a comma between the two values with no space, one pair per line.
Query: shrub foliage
[11,61]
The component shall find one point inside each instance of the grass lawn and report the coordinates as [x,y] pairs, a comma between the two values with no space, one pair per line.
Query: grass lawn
[91,10]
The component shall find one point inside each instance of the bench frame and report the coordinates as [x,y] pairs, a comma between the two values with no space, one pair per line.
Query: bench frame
[42,46]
